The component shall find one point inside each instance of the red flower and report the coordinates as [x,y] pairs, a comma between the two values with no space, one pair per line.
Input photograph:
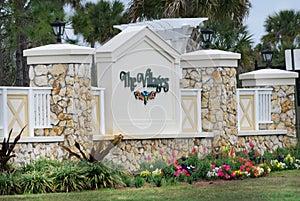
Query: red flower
[251,145]
[231,153]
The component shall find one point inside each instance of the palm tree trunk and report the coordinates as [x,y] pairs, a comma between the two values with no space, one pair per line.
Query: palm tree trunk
[1,63]
[22,77]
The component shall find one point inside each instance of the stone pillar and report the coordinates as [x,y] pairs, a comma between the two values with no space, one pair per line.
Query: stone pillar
[214,71]
[283,113]
[66,68]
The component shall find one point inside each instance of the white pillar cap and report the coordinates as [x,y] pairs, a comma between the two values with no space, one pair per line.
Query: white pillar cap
[59,53]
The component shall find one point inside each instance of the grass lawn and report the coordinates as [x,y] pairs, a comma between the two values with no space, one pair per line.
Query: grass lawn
[284,185]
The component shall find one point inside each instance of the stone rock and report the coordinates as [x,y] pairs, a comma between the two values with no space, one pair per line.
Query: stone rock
[207,125]
[41,70]
[56,90]
[286,105]
[217,77]
[58,70]
[41,80]
[290,90]
[31,73]
[281,93]
[53,119]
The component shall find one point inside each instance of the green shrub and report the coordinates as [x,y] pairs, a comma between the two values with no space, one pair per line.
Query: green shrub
[41,165]
[99,176]
[157,180]
[202,167]
[9,183]
[126,179]
[70,177]
[139,182]
[168,173]
[36,182]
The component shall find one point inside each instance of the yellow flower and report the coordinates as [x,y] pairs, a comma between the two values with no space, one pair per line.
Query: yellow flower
[145,173]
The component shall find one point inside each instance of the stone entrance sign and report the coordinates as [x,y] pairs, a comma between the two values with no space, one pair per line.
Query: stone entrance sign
[140,73]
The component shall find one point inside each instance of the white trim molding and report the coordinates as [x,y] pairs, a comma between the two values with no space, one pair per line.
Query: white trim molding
[156,136]
[37,139]
[262,132]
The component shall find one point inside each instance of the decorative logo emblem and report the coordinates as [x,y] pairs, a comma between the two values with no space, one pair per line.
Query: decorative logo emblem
[145,80]
[144,96]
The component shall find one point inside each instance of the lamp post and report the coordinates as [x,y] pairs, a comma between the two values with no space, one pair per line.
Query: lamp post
[267,56]
[207,34]
[58,29]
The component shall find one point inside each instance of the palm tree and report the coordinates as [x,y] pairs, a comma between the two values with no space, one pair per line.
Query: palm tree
[236,10]
[235,39]
[95,21]
[282,28]
[283,32]
[144,10]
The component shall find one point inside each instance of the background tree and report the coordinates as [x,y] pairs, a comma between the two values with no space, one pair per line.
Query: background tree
[95,23]
[235,39]
[25,24]
[283,32]
[225,17]
[215,10]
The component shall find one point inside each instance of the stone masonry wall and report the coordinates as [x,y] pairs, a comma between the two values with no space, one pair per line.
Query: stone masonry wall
[26,152]
[70,100]
[70,111]
[130,153]
[219,105]
[283,117]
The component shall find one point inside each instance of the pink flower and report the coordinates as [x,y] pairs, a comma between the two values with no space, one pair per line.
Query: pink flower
[251,145]
[161,152]
[221,174]
[204,150]
[195,149]
[256,153]
[188,175]
[213,167]
[227,168]
[173,154]
[149,158]
[227,176]
[242,168]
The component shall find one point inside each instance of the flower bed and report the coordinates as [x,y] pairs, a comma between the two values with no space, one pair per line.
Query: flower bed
[45,176]
[227,165]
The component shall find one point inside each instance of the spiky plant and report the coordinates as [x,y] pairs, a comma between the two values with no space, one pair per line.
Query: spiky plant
[7,149]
